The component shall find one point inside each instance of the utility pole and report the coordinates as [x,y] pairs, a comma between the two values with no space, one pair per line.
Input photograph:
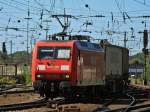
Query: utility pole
[125,39]
[145,51]
[28,18]
[47,28]
[11,49]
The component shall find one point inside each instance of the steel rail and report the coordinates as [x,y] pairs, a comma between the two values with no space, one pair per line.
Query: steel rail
[26,105]
[4,87]
[131,104]
[17,91]
[132,108]
[147,109]
[105,105]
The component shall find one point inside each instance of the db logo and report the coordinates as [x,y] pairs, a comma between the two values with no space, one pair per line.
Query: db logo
[52,63]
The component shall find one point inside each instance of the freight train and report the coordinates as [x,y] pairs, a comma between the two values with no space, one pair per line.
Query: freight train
[76,68]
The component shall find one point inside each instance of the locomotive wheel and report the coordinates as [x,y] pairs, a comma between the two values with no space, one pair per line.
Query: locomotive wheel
[51,89]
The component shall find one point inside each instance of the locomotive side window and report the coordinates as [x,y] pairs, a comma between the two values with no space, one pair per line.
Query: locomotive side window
[45,52]
[63,53]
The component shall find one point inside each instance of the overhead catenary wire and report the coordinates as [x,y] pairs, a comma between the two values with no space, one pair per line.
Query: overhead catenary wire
[142,3]
[23,4]
[38,3]
[13,6]
[47,10]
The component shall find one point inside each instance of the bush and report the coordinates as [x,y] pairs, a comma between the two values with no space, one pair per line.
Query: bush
[27,75]
[7,80]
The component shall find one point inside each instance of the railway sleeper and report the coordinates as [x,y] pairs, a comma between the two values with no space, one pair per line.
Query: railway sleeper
[68,108]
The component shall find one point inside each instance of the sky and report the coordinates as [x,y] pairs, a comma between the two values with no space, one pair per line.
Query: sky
[106,19]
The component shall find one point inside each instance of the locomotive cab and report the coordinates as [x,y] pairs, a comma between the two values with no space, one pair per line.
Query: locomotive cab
[50,63]
[52,66]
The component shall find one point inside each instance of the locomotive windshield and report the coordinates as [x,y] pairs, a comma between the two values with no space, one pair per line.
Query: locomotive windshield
[62,53]
[47,52]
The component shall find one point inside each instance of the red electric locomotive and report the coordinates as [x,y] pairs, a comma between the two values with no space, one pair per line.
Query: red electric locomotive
[71,67]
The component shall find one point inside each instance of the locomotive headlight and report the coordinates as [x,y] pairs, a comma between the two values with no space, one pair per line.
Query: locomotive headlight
[64,67]
[39,76]
[67,76]
[41,67]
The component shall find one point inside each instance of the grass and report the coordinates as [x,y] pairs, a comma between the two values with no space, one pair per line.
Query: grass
[7,80]
[148,69]
[27,75]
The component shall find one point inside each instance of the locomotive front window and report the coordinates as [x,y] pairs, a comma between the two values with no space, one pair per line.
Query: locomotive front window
[46,53]
[63,53]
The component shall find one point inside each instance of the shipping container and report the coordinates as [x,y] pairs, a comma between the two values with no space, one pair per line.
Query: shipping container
[116,61]
[125,63]
[113,57]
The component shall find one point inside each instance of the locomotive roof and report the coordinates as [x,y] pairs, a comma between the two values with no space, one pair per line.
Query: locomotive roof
[89,46]
[56,40]
[82,45]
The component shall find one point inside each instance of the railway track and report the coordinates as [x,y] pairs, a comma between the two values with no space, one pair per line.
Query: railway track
[133,101]
[57,104]
[127,99]
[105,106]
[135,95]
[20,106]
[20,89]
[15,89]
[136,108]
[6,87]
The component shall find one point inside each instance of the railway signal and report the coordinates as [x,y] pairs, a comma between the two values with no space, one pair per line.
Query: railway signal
[4,50]
[145,51]
[145,38]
